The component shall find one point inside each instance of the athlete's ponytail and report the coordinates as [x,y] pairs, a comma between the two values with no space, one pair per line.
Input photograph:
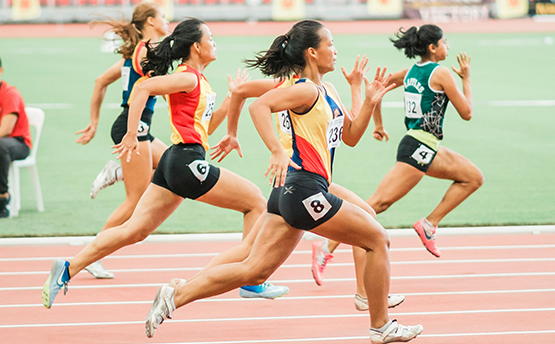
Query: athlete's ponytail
[130,31]
[416,40]
[286,54]
[175,47]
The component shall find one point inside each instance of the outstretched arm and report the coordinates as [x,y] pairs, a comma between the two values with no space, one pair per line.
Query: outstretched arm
[299,98]
[219,115]
[379,132]
[462,104]
[353,129]
[355,79]
[158,85]
[100,85]
[249,89]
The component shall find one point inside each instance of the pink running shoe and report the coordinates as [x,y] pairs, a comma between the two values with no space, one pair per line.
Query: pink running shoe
[427,234]
[319,261]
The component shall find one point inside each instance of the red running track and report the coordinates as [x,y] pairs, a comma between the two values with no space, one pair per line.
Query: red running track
[485,289]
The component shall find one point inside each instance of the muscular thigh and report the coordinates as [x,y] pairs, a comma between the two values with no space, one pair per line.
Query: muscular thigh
[233,192]
[451,165]
[350,197]
[137,172]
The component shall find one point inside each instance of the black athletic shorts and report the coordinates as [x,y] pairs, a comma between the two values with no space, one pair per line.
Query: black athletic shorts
[304,201]
[415,153]
[119,128]
[184,171]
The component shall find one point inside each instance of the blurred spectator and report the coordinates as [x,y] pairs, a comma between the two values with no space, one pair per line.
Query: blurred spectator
[15,136]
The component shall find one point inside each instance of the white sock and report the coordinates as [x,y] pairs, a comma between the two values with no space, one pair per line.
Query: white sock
[119,174]
[325,247]
[383,328]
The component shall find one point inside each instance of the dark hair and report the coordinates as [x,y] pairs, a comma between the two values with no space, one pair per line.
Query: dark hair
[130,31]
[286,54]
[416,40]
[177,46]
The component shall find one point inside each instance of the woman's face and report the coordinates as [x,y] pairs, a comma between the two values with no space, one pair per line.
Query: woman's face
[326,52]
[207,45]
[440,50]
[160,23]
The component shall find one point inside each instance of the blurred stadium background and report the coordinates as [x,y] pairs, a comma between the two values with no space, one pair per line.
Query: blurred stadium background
[52,57]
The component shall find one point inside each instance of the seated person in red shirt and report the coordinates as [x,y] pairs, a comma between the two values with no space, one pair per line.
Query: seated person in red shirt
[15,136]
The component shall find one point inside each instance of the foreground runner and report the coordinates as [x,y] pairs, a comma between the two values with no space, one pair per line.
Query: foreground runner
[183,172]
[300,199]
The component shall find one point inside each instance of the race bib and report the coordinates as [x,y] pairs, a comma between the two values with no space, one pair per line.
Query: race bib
[413,109]
[210,103]
[200,169]
[284,122]
[334,132]
[317,206]
[142,130]
[125,72]
[423,155]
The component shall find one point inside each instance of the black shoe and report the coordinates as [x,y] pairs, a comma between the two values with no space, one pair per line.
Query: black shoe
[4,212]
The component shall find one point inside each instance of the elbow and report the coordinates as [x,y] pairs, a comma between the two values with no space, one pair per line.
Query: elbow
[467,116]
[240,91]
[351,142]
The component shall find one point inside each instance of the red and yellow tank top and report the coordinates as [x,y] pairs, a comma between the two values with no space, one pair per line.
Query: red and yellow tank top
[190,113]
[317,133]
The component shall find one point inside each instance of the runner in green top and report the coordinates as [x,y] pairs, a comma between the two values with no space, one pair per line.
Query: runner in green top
[428,88]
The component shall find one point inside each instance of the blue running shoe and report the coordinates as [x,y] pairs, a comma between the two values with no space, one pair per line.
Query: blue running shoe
[264,291]
[58,278]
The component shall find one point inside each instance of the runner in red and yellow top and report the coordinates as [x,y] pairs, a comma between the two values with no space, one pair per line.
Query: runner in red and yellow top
[190,112]
[300,199]
[183,171]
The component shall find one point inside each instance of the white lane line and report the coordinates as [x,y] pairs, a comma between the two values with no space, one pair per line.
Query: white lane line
[236,237]
[287,298]
[288,317]
[307,266]
[213,254]
[295,281]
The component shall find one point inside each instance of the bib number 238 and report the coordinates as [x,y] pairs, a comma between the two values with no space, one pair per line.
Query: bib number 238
[334,132]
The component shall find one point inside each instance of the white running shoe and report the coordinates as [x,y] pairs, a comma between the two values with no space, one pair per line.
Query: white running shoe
[99,271]
[108,176]
[393,300]
[264,291]
[162,309]
[395,332]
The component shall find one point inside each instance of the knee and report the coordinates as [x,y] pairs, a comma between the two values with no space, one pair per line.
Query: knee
[378,205]
[257,203]
[256,275]
[479,178]
[136,234]
[476,179]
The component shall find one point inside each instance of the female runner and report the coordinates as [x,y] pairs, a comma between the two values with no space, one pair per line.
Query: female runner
[300,199]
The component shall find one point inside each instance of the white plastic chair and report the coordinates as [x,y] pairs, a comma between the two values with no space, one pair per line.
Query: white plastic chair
[36,120]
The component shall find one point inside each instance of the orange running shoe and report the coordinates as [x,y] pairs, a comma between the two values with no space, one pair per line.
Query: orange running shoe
[427,234]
